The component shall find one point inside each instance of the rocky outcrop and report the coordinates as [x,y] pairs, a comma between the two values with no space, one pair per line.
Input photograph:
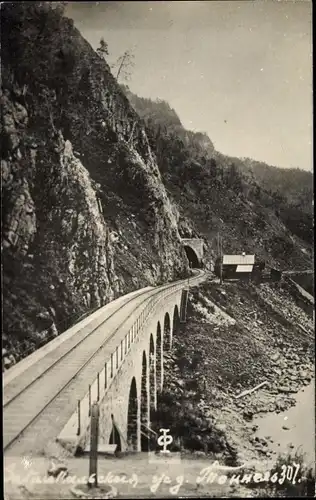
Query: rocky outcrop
[86,216]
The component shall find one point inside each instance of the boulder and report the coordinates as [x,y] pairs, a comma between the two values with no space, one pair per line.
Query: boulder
[222,427]
[274,357]
[284,389]
[248,415]
[56,469]
[6,362]
[199,453]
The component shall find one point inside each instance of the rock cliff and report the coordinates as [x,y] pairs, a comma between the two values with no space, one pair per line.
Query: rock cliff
[85,214]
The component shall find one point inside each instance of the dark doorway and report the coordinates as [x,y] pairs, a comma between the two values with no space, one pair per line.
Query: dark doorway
[132,417]
[192,257]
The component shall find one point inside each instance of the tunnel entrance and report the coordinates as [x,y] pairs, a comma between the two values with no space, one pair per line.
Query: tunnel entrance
[132,417]
[115,437]
[192,257]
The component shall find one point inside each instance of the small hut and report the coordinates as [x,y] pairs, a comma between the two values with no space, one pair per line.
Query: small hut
[236,266]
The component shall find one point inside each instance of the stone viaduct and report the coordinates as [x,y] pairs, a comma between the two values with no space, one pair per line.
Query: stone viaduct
[127,387]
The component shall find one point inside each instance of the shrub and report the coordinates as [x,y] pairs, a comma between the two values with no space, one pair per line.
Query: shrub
[304,485]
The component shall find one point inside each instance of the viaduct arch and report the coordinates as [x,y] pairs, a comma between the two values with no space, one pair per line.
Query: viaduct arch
[129,404]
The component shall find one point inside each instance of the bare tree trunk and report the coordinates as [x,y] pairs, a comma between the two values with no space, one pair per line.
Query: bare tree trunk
[121,65]
[132,133]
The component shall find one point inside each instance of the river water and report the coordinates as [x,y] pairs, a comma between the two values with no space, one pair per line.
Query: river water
[299,421]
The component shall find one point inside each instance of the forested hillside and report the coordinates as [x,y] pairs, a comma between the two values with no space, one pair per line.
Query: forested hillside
[256,207]
[292,183]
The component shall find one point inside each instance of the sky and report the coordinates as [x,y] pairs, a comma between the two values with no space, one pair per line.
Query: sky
[241,71]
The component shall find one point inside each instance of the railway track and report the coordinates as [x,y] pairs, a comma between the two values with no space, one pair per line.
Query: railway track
[54,358]
[40,395]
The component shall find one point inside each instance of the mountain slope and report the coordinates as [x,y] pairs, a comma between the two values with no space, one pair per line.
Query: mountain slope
[292,183]
[268,211]
[98,185]
[85,214]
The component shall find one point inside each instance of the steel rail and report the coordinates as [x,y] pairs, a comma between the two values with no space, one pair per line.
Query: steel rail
[75,375]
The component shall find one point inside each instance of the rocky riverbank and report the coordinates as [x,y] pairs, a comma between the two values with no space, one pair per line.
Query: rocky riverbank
[236,337]
[284,432]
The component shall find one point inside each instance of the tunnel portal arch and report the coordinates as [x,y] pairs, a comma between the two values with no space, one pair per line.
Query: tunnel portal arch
[192,257]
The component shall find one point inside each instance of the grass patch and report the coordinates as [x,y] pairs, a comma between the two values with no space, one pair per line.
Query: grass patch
[293,478]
